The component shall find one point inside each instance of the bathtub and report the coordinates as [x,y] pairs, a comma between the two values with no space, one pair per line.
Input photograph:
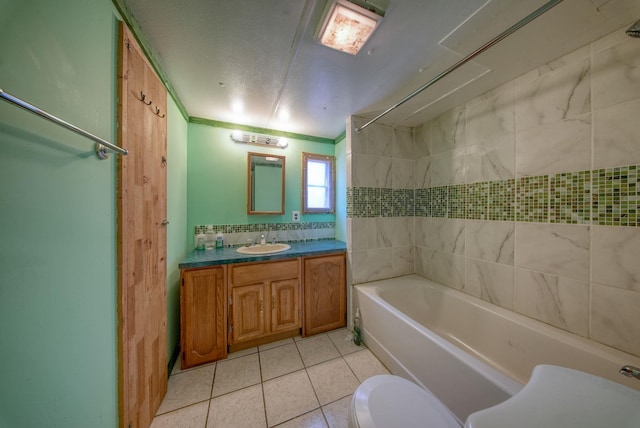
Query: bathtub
[469,353]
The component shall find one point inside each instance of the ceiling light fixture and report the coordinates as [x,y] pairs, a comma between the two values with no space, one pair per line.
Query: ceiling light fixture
[258,140]
[346,26]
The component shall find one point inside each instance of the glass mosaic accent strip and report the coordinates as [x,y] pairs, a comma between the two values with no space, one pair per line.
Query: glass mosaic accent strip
[532,199]
[264,227]
[477,200]
[456,202]
[615,196]
[502,200]
[366,202]
[350,213]
[438,202]
[570,195]
[387,202]
[421,202]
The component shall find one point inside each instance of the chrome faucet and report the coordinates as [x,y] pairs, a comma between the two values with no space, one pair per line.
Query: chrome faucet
[630,371]
[262,240]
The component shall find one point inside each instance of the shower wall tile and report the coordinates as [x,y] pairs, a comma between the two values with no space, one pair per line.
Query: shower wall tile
[379,233]
[448,131]
[555,249]
[380,139]
[402,173]
[614,315]
[403,145]
[386,202]
[569,59]
[616,135]
[490,241]
[422,261]
[422,231]
[457,201]
[422,135]
[403,261]
[559,95]
[447,235]
[491,282]
[447,269]
[554,147]
[402,229]
[422,175]
[448,167]
[615,257]
[491,160]
[561,302]
[615,74]
[438,202]
[491,118]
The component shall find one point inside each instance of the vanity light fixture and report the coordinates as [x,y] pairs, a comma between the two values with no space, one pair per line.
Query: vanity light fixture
[258,140]
[347,26]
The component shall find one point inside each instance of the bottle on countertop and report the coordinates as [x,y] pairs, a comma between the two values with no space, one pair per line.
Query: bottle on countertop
[357,339]
[210,240]
[219,240]
[200,240]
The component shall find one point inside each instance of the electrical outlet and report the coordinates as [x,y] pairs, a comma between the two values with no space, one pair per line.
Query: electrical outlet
[295,216]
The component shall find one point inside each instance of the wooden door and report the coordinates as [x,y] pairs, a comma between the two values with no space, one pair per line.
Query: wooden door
[325,303]
[285,305]
[141,205]
[203,316]
[248,320]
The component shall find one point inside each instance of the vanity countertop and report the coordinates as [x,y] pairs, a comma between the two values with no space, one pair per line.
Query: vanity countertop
[228,255]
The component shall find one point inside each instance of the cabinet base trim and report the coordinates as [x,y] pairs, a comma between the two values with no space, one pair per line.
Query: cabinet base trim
[263,340]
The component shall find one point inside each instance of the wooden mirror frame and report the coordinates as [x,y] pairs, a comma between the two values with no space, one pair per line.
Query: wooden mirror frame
[250,189]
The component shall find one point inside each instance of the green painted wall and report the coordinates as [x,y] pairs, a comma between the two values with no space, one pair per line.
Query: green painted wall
[58,221]
[177,215]
[217,178]
[341,190]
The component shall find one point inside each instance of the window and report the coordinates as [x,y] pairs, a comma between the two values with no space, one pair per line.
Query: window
[318,183]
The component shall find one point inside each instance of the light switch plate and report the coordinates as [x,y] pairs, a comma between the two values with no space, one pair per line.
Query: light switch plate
[295,216]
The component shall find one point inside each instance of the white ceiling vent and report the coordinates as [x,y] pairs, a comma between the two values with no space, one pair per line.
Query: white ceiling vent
[259,140]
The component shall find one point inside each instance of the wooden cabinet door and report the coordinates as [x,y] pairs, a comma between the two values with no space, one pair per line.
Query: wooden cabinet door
[285,305]
[203,304]
[325,302]
[248,312]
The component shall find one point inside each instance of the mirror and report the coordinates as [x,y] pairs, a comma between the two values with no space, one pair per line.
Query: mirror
[265,184]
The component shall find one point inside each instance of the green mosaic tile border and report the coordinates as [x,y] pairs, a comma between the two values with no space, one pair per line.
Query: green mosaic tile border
[570,198]
[264,227]
[616,196]
[608,197]
[532,199]
[501,204]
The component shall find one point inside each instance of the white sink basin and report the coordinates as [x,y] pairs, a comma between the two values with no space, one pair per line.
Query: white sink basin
[561,397]
[264,249]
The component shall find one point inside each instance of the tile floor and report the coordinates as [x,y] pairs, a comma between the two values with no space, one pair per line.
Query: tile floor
[290,383]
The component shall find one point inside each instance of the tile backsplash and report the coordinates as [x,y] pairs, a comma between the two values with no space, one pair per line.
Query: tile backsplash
[238,234]
[526,196]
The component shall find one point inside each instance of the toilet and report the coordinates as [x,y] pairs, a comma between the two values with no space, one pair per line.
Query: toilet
[391,401]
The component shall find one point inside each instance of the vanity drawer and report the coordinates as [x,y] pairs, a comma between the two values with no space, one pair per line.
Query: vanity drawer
[251,273]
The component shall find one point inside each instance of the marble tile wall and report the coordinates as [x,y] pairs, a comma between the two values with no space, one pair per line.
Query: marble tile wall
[526,197]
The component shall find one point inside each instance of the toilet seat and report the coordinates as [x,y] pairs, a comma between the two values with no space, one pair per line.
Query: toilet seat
[391,401]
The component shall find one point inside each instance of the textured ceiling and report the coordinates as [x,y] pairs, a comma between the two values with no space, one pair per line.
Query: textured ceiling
[256,62]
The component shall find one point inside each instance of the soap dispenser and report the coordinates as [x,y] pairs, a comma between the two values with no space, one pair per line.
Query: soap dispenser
[210,239]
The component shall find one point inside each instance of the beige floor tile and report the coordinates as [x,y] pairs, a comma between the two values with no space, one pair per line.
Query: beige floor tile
[313,419]
[239,409]
[288,396]
[194,416]
[332,380]
[364,364]
[275,344]
[235,374]
[337,413]
[242,353]
[188,388]
[317,349]
[343,339]
[280,361]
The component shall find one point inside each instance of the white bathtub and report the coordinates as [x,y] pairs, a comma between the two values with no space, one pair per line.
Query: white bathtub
[469,353]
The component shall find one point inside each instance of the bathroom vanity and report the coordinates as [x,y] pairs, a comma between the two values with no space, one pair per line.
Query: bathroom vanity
[231,301]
